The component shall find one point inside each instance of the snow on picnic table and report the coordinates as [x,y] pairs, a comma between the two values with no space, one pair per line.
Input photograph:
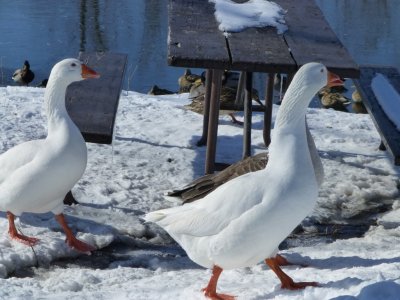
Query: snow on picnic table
[154,150]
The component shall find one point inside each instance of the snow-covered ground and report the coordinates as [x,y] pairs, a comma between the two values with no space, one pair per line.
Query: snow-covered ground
[154,151]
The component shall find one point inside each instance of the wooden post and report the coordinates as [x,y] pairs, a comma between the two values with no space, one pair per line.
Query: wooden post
[206,112]
[213,121]
[239,92]
[269,93]
[247,115]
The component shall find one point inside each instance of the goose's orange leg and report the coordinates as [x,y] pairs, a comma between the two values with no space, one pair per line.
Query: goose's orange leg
[286,281]
[210,291]
[284,262]
[13,232]
[71,240]
[281,261]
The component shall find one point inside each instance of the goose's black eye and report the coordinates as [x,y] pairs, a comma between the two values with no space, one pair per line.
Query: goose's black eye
[73,65]
[322,70]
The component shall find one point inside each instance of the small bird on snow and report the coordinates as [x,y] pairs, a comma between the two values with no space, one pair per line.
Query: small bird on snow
[24,76]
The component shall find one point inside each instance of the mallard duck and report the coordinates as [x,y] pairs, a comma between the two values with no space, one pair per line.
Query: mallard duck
[43,83]
[155,90]
[204,185]
[227,99]
[247,229]
[333,89]
[186,81]
[23,76]
[197,89]
[35,176]
[356,96]
[230,78]
[358,105]
[335,100]
[201,186]
[280,85]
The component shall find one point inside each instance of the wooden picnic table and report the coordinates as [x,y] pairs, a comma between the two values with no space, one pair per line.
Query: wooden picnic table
[92,104]
[195,41]
[390,134]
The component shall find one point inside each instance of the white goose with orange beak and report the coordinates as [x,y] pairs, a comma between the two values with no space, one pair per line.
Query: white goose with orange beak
[36,175]
[242,222]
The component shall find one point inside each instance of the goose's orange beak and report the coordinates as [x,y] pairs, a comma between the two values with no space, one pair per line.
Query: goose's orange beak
[88,72]
[334,80]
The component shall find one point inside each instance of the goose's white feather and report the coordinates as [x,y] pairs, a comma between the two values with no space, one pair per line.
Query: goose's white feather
[36,175]
[243,221]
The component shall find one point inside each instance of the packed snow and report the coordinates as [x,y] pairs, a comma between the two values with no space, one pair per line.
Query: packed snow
[154,151]
[234,17]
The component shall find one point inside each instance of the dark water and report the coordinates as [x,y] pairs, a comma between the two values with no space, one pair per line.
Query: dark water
[45,31]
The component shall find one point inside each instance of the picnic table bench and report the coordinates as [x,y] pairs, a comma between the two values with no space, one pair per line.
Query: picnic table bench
[388,131]
[92,104]
[195,41]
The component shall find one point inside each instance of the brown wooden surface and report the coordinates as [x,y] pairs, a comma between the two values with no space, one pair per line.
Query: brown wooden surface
[194,39]
[93,103]
[260,50]
[213,121]
[247,115]
[310,38]
[387,129]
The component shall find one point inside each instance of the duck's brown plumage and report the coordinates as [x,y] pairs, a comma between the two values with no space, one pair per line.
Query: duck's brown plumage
[200,187]
[330,98]
[186,81]
[23,76]
[358,105]
[156,90]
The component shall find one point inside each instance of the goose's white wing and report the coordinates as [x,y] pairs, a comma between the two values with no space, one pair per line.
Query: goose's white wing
[17,157]
[213,213]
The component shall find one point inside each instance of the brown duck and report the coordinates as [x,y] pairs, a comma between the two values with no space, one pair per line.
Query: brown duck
[227,98]
[200,187]
[24,76]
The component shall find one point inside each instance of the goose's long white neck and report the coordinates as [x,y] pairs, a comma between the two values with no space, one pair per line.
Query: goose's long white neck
[55,102]
[292,146]
[294,105]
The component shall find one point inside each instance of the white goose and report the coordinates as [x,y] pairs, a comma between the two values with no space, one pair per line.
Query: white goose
[36,175]
[243,221]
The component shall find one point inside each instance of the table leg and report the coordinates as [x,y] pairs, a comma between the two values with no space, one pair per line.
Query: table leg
[213,121]
[268,109]
[206,112]
[239,92]
[289,79]
[247,115]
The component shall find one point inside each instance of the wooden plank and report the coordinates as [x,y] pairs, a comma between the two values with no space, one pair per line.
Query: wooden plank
[213,121]
[93,103]
[387,129]
[194,39]
[310,38]
[260,50]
